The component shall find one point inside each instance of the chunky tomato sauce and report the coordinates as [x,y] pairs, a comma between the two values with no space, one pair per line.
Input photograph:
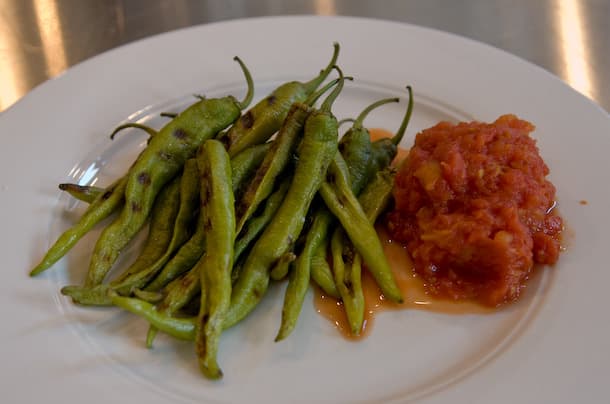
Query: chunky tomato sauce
[475,210]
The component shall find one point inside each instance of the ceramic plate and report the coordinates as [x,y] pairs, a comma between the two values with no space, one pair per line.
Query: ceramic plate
[551,346]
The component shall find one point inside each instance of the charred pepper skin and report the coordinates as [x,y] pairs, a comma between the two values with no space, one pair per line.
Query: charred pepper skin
[347,262]
[278,157]
[317,149]
[261,121]
[158,163]
[178,278]
[100,208]
[83,193]
[356,148]
[215,266]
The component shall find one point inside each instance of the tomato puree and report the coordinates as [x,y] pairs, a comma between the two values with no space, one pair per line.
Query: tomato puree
[474,209]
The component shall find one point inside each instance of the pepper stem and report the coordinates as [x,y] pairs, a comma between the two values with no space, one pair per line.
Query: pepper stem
[314,83]
[365,112]
[151,132]
[250,92]
[328,102]
[315,96]
[397,138]
[346,120]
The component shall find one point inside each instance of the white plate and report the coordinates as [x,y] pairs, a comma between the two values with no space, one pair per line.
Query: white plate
[552,346]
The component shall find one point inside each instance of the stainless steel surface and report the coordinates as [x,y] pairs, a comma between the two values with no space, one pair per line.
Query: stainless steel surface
[39,39]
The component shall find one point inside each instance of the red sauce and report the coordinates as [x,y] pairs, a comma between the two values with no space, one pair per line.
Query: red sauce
[475,211]
[410,284]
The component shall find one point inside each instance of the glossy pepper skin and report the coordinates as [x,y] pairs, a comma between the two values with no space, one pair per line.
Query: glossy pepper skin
[341,201]
[384,150]
[278,157]
[315,152]
[162,218]
[176,234]
[356,148]
[255,225]
[186,286]
[181,328]
[178,277]
[261,121]
[273,165]
[382,153]
[347,262]
[216,264]
[84,193]
[100,208]
[158,163]
[103,202]
[374,199]
[348,252]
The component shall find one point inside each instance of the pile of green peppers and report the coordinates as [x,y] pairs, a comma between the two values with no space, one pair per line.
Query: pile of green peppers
[229,208]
